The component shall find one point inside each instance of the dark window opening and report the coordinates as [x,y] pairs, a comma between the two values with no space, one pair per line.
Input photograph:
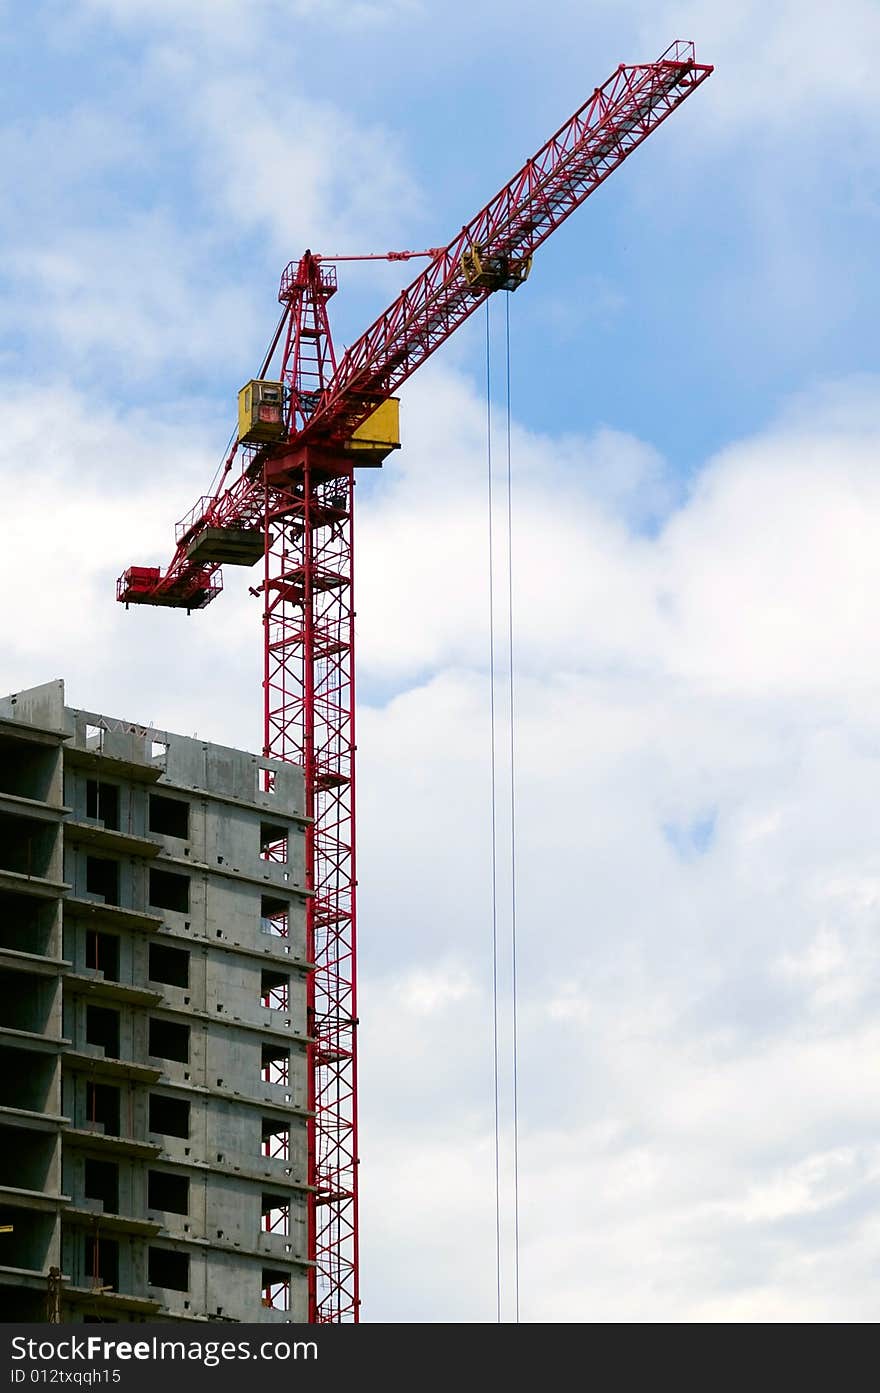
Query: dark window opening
[102,1183]
[168,1192]
[101,1263]
[275,1138]
[26,924]
[169,816]
[102,1106]
[273,841]
[169,965]
[169,1269]
[169,1116]
[102,954]
[102,1028]
[275,989]
[102,878]
[276,1289]
[27,770]
[27,845]
[169,1041]
[274,916]
[169,891]
[275,1214]
[102,803]
[26,1080]
[274,1064]
[26,1001]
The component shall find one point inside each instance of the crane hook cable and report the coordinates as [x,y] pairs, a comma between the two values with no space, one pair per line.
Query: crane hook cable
[493,799]
[494,819]
[512,756]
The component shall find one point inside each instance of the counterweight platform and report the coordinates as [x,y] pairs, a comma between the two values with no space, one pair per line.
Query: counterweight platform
[231,546]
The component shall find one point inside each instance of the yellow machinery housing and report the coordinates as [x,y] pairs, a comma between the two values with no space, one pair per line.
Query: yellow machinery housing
[483,272]
[261,419]
[378,435]
[260,412]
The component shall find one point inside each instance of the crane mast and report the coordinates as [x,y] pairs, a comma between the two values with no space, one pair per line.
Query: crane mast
[300,439]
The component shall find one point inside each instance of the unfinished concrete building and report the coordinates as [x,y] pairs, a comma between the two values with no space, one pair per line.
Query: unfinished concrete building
[152,1024]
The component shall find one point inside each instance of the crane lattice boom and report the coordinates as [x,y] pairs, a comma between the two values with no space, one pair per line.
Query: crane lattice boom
[495,249]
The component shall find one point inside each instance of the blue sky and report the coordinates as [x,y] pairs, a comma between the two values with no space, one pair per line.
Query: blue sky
[696,504]
[728,264]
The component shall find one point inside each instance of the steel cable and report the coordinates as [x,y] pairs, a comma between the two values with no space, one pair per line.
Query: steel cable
[512,755]
[493,821]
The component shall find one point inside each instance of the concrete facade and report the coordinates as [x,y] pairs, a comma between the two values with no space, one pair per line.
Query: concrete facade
[153,1086]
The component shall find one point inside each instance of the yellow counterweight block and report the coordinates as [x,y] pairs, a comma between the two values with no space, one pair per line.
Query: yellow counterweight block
[378,435]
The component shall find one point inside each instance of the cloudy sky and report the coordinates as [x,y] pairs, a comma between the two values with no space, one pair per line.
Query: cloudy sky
[695,438]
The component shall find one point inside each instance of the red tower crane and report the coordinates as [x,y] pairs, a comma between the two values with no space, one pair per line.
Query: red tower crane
[301,436]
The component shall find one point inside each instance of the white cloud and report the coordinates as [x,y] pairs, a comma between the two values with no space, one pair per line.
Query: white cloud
[697,1017]
[299,169]
[85,490]
[691,1023]
[137,204]
[239,19]
[746,588]
[810,1185]
[784,62]
[129,301]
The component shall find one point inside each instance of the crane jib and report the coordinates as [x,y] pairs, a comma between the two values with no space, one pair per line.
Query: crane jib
[518,220]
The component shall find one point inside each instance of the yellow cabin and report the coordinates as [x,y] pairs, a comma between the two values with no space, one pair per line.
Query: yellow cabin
[378,435]
[260,412]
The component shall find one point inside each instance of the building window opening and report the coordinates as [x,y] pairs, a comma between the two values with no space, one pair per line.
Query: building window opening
[275,989]
[168,1269]
[274,916]
[102,1028]
[102,878]
[273,841]
[169,816]
[102,1183]
[102,954]
[169,1116]
[275,1215]
[169,891]
[102,1107]
[167,1192]
[169,965]
[276,1139]
[101,1263]
[169,1040]
[274,1063]
[102,803]
[276,1289]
